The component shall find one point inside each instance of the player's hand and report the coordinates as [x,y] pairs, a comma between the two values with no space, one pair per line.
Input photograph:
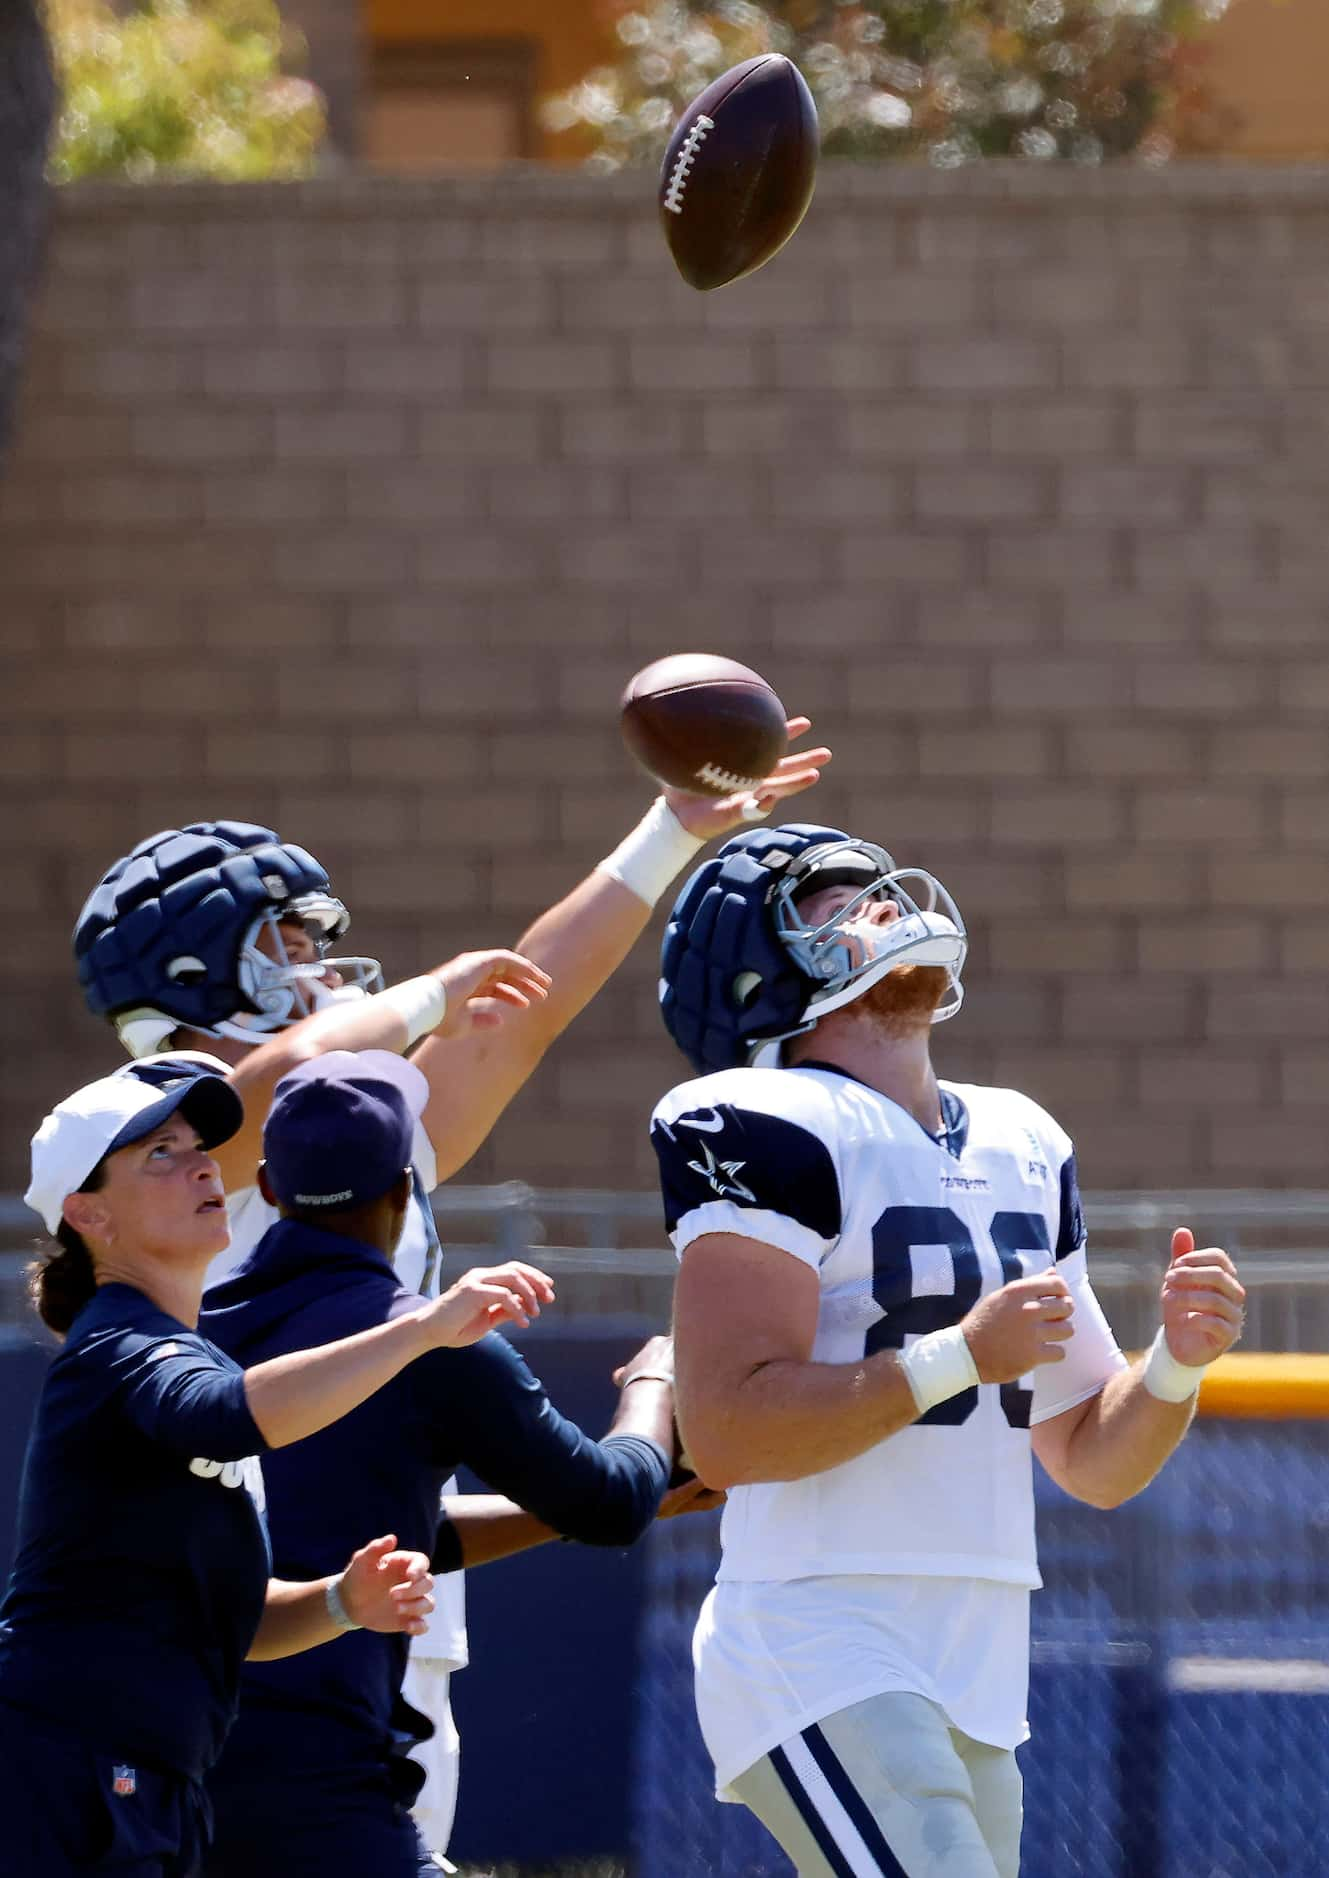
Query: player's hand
[655,1358]
[383,1589]
[1203,1301]
[709,816]
[484,1297]
[690,1496]
[485,988]
[1020,1327]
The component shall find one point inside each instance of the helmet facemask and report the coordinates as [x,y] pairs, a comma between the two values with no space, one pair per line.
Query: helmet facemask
[846,954]
[283,990]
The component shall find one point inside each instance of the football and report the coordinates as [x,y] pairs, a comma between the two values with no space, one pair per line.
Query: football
[739,171]
[703,723]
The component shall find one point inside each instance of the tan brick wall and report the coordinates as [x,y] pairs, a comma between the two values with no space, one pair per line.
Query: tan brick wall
[351,507]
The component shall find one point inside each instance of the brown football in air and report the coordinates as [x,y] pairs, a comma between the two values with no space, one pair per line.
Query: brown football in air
[703,723]
[739,171]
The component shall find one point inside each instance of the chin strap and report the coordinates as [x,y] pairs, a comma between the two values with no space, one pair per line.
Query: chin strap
[143,1032]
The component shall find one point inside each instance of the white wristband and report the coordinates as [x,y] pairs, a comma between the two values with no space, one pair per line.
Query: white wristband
[938,1366]
[337,1611]
[648,857]
[647,1375]
[421,1003]
[1165,1378]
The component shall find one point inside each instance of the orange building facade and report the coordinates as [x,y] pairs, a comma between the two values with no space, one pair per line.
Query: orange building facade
[459,82]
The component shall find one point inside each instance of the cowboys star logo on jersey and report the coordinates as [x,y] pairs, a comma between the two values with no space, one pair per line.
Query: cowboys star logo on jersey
[721,1175]
[905,1232]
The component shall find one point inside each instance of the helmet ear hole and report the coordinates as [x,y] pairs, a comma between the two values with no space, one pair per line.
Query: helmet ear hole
[186,970]
[744,989]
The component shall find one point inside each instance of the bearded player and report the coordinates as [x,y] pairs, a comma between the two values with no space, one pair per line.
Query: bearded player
[224,938]
[883,1311]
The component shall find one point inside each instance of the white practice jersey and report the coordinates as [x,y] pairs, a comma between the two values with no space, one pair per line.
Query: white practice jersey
[906,1233]
[416,1263]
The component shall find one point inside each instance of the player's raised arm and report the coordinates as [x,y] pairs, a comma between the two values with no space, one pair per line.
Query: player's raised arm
[1109,1448]
[480,989]
[581,941]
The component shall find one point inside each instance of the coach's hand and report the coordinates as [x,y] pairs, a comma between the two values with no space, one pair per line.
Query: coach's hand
[483,1298]
[383,1589]
[653,1362]
[1014,1330]
[1203,1301]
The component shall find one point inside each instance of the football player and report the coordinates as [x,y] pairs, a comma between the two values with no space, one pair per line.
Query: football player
[222,937]
[883,1311]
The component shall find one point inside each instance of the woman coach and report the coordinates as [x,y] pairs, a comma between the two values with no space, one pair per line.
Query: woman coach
[141,1579]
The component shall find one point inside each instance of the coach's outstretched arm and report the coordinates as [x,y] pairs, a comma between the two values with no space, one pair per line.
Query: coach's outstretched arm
[1110,1447]
[581,942]
[753,1406]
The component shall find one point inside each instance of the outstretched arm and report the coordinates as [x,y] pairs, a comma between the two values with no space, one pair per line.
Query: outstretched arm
[479,1528]
[295,1395]
[483,988]
[580,942]
[1109,1448]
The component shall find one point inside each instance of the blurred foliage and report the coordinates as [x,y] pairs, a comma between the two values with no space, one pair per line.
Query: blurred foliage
[180,88]
[948,80]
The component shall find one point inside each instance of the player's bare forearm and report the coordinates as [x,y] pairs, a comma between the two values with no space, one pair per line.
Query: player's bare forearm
[489,1527]
[580,942]
[788,1419]
[1109,1448]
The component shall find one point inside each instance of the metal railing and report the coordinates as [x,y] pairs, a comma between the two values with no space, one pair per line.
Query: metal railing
[609,1254]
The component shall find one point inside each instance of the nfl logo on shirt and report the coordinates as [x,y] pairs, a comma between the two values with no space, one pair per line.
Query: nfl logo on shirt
[124,1780]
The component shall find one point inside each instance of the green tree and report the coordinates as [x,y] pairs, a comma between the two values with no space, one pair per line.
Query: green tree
[948,80]
[180,88]
[27,100]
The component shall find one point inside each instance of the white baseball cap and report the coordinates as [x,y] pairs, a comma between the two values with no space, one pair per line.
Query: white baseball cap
[118,1110]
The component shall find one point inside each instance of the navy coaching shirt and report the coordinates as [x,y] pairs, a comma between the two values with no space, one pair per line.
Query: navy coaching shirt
[142,1562]
[380,1469]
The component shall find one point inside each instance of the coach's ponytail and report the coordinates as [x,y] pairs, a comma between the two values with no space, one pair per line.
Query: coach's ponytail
[61,1278]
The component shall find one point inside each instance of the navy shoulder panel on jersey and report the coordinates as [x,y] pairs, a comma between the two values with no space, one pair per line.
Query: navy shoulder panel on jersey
[749,1157]
[1070,1233]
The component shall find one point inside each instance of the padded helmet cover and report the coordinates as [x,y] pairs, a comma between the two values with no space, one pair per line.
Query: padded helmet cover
[727,979]
[165,926]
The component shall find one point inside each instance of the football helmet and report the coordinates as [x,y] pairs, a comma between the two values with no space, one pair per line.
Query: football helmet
[169,937]
[741,970]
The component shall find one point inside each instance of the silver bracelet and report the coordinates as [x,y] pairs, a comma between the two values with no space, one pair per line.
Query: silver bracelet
[648,1375]
[337,1611]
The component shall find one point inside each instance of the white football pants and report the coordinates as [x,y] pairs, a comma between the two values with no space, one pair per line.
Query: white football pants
[888,1789]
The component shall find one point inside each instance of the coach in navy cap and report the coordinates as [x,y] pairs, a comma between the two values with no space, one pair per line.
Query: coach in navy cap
[316,1775]
[340,1130]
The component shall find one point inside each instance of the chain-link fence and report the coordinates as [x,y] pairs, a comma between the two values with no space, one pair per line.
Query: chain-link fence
[1179,1688]
[609,1254]
[1179,1695]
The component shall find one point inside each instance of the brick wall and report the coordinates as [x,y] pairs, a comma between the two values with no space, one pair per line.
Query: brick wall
[352,506]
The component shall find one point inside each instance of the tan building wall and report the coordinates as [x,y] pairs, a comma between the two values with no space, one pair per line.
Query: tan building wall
[1268,63]
[1266,59]
[351,506]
